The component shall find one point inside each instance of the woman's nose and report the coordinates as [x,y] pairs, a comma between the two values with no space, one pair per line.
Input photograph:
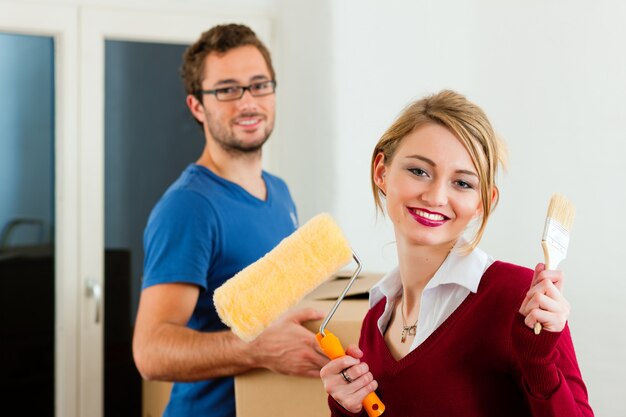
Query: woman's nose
[436,194]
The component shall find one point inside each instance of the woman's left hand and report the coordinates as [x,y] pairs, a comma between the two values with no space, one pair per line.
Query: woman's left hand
[544,302]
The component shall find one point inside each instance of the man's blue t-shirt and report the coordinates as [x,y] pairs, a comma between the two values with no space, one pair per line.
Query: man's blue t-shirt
[203,231]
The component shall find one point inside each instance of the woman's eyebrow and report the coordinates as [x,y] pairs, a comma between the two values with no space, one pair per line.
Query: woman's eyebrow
[432,163]
[423,158]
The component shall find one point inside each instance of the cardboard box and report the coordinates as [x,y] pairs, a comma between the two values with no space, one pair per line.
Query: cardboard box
[261,393]
[155,395]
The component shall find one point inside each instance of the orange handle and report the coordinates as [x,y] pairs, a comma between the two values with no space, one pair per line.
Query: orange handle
[331,346]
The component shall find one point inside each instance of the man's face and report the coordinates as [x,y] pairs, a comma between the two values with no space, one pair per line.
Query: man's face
[243,125]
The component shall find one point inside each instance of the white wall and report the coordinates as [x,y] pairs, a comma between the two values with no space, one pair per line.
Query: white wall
[302,147]
[551,77]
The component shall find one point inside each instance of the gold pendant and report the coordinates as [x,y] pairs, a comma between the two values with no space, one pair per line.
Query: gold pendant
[408,330]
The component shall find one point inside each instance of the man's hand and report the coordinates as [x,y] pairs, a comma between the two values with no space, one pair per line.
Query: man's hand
[288,348]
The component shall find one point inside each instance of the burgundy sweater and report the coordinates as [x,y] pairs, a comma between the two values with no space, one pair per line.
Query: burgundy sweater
[482,361]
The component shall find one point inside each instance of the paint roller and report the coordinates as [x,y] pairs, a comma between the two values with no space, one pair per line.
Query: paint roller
[258,294]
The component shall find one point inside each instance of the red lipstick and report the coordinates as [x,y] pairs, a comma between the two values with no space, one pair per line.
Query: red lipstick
[418,215]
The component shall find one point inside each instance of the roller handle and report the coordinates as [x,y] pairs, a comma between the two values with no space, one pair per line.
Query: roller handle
[331,345]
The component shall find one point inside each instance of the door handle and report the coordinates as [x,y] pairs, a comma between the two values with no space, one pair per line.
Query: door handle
[94,290]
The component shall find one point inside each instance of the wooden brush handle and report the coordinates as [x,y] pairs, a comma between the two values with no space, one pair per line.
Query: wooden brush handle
[551,259]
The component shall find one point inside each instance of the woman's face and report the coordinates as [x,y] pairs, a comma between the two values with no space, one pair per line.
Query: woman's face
[432,188]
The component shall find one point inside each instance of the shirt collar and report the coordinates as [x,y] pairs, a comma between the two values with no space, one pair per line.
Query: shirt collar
[458,269]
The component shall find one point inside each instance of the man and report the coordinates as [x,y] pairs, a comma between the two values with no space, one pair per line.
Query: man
[222,214]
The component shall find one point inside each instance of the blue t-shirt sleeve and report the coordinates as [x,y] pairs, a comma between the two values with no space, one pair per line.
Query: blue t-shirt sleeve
[179,240]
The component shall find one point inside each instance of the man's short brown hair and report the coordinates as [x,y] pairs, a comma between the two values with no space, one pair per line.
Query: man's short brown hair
[219,39]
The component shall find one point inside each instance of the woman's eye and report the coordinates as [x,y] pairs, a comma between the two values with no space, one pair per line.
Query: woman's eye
[418,171]
[464,184]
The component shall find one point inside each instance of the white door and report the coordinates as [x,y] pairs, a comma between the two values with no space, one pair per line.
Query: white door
[60,23]
[103,30]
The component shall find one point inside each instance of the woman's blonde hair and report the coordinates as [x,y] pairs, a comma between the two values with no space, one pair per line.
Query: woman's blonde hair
[469,124]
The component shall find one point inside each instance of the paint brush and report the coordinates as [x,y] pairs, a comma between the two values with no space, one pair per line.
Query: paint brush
[556,233]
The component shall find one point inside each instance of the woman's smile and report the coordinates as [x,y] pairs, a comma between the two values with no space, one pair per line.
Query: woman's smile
[428,218]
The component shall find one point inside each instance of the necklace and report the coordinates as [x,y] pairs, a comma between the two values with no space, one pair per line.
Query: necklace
[407,330]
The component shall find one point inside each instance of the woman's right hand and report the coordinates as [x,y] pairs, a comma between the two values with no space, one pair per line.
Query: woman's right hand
[349,395]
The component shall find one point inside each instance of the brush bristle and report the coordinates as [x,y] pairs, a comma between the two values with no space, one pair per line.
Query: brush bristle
[561,210]
[258,294]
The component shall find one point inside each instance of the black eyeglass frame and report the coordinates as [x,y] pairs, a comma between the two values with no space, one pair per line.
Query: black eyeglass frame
[243,88]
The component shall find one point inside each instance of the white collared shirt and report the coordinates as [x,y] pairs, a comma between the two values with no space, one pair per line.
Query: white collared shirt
[452,283]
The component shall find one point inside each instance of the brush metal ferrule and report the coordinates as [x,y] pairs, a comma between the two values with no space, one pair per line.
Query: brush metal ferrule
[343,294]
[556,235]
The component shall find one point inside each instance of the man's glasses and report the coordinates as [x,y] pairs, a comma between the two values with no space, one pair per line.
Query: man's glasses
[262,88]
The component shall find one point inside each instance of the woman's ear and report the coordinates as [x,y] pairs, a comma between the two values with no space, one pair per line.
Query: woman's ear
[494,200]
[495,195]
[380,170]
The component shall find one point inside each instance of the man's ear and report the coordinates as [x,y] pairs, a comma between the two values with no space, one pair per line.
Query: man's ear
[196,108]
[379,172]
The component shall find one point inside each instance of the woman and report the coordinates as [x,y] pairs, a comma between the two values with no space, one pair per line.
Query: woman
[449,331]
